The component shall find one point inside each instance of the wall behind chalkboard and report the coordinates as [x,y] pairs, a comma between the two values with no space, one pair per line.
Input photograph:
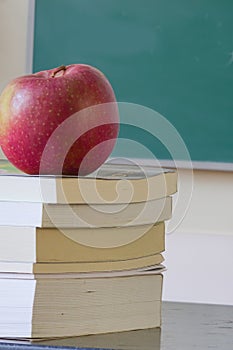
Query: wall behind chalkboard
[173,56]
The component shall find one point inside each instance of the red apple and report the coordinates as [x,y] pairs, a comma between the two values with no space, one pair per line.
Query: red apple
[40,116]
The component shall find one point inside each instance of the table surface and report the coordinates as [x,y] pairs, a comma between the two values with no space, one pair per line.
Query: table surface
[184,327]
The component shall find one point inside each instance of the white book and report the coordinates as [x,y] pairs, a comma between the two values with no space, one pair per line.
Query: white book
[82,245]
[111,183]
[141,339]
[84,215]
[62,307]
[79,267]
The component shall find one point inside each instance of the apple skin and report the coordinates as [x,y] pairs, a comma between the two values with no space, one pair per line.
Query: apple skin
[33,106]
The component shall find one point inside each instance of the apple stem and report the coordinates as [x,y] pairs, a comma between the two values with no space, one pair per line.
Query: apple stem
[59,69]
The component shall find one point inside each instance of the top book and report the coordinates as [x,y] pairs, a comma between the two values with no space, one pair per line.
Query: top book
[111,183]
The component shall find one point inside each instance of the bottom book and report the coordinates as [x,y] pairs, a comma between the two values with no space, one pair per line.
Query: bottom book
[143,339]
[72,306]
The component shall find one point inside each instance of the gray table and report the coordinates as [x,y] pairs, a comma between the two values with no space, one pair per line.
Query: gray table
[185,327]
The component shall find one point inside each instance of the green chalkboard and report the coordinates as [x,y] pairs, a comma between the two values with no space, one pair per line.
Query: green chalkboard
[173,56]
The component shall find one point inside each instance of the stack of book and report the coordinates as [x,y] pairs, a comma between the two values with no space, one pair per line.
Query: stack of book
[82,255]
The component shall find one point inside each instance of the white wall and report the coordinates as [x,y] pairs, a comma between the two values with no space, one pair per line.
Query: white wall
[199,254]
[14,16]
[211,206]
[16,39]
[199,268]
